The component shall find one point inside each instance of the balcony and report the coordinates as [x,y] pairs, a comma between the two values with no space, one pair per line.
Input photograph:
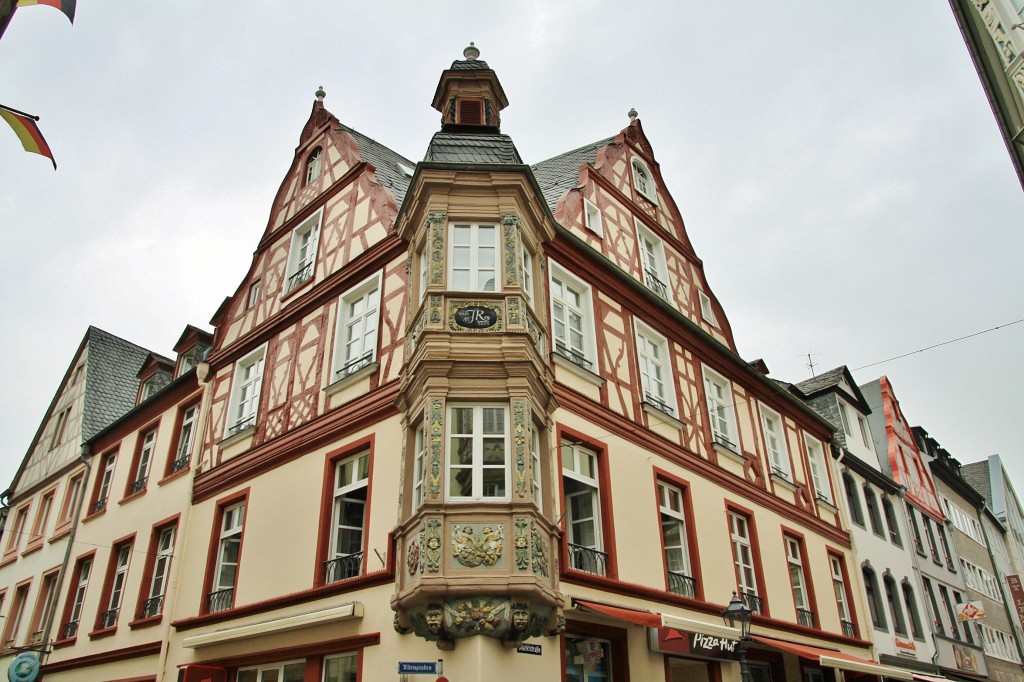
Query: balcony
[587,559]
[753,602]
[849,630]
[242,424]
[108,619]
[180,463]
[221,600]
[805,618]
[655,284]
[343,568]
[152,607]
[99,505]
[682,584]
[658,403]
[301,275]
[354,366]
[137,486]
[573,357]
[69,630]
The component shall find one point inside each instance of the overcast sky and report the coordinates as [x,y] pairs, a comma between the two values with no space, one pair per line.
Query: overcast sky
[837,165]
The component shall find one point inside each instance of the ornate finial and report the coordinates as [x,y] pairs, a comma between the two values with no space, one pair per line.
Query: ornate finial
[632,114]
[471,53]
[320,94]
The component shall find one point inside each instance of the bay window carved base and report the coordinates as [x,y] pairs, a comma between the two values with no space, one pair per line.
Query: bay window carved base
[507,620]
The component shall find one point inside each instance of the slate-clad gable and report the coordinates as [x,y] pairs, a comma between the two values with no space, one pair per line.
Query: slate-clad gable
[469,148]
[561,173]
[977,475]
[386,161]
[111,380]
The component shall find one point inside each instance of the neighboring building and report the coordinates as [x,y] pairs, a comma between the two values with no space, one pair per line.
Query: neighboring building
[994,33]
[958,652]
[893,593]
[965,509]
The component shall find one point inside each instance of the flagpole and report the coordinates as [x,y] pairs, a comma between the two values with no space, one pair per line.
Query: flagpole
[19,113]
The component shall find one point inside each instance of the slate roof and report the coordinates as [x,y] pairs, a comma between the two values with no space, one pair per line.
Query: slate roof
[822,381]
[977,475]
[468,65]
[472,148]
[111,380]
[559,174]
[386,162]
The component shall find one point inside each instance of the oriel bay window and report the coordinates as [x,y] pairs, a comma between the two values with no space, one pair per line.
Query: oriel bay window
[478,452]
[473,258]
[348,518]
[582,509]
[222,581]
[355,344]
[676,540]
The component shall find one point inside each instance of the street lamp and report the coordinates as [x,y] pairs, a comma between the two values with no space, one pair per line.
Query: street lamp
[737,614]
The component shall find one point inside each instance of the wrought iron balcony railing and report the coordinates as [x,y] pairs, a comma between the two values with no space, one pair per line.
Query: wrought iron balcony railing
[682,584]
[354,366]
[69,630]
[300,276]
[180,463]
[108,618]
[242,424]
[849,629]
[805,618]
[658,403]
[343,568]
[220,600]
[152,607]
[655,284]
[588,559]
[137,486]
[99,505]
[753,602]
[573,356]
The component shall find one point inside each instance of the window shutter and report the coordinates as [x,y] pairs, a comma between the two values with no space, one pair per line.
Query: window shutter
[471,112]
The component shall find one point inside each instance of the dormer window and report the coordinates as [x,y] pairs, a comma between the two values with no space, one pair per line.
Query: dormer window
[470,111]
[643,181]
[314,164]
[148,389]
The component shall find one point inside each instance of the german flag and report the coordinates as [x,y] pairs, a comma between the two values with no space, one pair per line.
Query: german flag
[65,6]
[25,128]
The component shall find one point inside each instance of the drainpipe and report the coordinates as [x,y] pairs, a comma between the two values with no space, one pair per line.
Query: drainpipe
[85,455]
[171,593]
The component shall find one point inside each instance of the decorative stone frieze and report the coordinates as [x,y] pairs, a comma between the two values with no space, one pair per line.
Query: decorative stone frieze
[435,418]
[432,546]
[478,545]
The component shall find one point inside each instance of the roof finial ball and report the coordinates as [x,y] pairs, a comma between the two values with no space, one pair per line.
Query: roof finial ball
[632,114]
[471,53]
[320,94]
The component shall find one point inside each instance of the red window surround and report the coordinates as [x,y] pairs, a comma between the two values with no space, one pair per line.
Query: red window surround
[691,535]
[331,461]
[211,557]
[755,550]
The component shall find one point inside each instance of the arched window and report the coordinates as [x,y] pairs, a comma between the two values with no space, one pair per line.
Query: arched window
[313,164]
[643,180]
[899,623]
[875,605]
[871,500]
[911,603]
[891,523]
[853,499]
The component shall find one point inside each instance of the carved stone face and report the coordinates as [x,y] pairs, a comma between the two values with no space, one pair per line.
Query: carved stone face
[520,619]
[434,617]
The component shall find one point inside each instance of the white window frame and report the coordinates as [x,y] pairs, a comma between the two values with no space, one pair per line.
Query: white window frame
[186,438]
[586,480]
[844,417]
[232,524]
[243,408]
[707,311]
[819,468]
[84,571]
[419,469]
[775,442]
[839,587]
[106,478]
[145,456]
[476,466]
[643,180]
[655,365]
[314,164]
[652,259]
[243,676]
[162,563]
[351,480]
[119,577]
[592,218]
[671,501]
[538,492]
[797,576]
[527,263]
[302,253]
[254,295]
[742,553]
[583,354]
[477,266]
[351,660]
[365,326]
[865,436]
[721,414]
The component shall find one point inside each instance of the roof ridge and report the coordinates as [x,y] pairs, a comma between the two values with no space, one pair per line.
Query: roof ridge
[578,149]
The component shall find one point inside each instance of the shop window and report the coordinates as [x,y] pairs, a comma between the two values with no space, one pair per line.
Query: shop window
[595,653]
[292,671]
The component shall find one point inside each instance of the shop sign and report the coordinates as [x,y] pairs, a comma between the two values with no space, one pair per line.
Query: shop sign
[476,317]
[1017,593]
[965,659]
[905,646]
[682,643]
[972,610]
[591,652]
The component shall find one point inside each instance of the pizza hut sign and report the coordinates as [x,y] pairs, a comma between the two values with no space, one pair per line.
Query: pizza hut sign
[682,643]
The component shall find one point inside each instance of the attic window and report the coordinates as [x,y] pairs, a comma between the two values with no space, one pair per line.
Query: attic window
[643,181]
[470,112]
[313,165]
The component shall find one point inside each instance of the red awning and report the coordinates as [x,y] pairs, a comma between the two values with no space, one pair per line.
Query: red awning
[836,659]
[645,618]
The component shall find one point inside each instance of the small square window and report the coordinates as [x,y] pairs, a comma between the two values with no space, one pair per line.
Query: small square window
[592,218]
[254,295]
[706,311]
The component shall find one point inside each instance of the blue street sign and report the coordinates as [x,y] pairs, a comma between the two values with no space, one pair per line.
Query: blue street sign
[419,668]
